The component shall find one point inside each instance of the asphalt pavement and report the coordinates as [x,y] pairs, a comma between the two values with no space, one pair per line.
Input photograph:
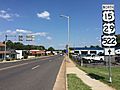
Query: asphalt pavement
[36,74]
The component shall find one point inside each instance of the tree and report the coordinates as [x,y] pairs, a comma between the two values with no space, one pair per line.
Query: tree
[118,40]
[97,46]
[10,44]
[18,46]
[28,47]
[92,46]
[21,46]
[41,47]
[85,46]
[51,49]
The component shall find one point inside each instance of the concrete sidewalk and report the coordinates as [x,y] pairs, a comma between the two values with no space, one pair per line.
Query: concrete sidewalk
[94,84]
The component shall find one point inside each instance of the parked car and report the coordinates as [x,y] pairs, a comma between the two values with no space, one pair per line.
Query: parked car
[93,58]
[8,58]
[117,59]
[117,52]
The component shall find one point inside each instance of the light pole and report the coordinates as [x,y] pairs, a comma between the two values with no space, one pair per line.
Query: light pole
[5,47]
[68,18]
[5,51]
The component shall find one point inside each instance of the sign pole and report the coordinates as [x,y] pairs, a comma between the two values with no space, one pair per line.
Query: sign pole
[110,73]
[108,38]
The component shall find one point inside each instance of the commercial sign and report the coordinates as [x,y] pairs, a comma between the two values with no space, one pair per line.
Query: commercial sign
[20,37]
[30,37]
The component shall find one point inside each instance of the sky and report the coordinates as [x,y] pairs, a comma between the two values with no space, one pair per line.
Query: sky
[41,18]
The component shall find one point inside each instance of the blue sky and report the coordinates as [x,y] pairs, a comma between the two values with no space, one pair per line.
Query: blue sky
[42,18]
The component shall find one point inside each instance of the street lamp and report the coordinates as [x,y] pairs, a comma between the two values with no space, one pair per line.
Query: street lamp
[68,18]
[5,47]
[5,51]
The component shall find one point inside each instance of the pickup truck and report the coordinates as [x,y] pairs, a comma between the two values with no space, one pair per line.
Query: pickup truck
[93,58]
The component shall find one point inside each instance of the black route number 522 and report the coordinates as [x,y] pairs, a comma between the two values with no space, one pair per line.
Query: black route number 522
[109,41]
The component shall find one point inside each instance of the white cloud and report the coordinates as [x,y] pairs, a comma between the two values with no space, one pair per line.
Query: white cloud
[8,31]
[7,16]
[49,38]
[40,34]
[17,15]
[97,38]
[3,11]
[61,44]
[98,29]
[23,31]
[44,15]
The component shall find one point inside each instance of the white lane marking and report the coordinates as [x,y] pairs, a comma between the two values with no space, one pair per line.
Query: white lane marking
[13,66]
[35,67]
[50,60]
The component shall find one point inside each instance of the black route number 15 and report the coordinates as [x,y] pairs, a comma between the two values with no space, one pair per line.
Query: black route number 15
[108,16]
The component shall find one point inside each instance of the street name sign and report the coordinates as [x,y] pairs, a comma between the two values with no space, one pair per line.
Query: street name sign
[30,37]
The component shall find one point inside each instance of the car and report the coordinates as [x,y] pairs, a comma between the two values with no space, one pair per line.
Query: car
[8,58]
[117,51]
[93,58]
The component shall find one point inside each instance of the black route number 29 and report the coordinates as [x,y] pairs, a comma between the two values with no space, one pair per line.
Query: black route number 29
[108,28]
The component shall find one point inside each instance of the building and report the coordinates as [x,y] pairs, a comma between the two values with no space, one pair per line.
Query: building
[19,54]
[2,51]
[37,52]
[86,50]
[10,53]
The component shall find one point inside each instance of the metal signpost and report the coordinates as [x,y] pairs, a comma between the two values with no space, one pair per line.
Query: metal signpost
[108,39]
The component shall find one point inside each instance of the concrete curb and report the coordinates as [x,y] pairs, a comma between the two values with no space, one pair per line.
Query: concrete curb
[66,73]
[60,83]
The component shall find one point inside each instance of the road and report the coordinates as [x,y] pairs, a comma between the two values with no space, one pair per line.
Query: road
[37,74]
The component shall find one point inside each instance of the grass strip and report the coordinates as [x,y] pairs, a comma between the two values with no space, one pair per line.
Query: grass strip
[75,83]
[101,73]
